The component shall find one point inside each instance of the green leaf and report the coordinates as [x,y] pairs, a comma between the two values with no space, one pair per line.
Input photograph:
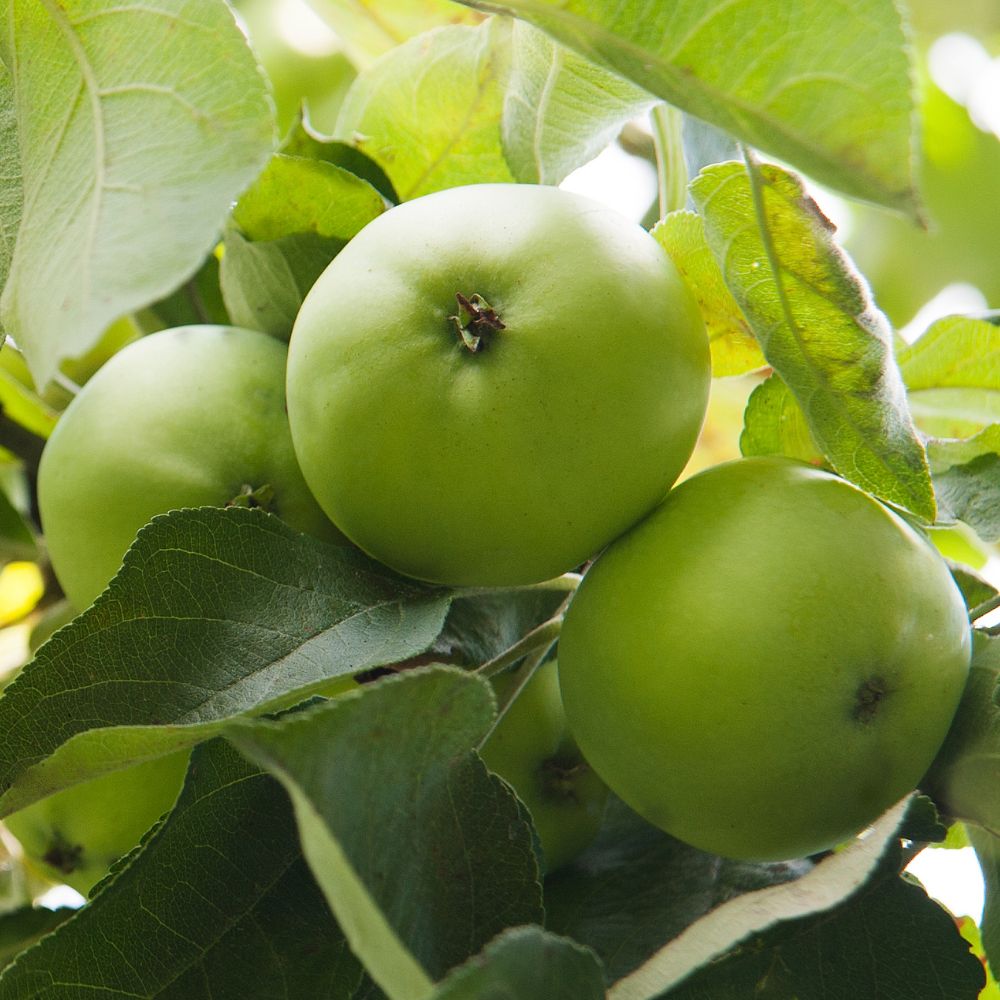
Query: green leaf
[370,28]
[10,174]
[944,453]
[816,324]
[975,589]
[987,847]
[17,540]
[422,854]
[264,283]
[526,963]
[891,941]
[216,613]
[560,110]
[293,220]
[217,902]
[429,113]
[734,348]
[774,424]
[959,352]
[752,914]
[965,777]
[129,160]
[971,493]
[303,140]
[480,627]
[18,397]
[636,887]
[958,169]
[825,88]
[952,374]
[296,194]
[22,928]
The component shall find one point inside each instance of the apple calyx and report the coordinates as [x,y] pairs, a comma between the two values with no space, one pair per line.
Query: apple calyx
[868,699]
[63,856]
[254,496]
[560,776]
[477,322]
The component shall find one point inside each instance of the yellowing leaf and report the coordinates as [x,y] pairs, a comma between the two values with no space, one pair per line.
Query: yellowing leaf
[734,348]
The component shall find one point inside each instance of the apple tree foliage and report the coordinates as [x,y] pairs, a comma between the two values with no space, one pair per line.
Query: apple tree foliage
[357,847]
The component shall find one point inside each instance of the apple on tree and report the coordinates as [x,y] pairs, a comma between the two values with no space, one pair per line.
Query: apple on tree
[188,417]
[76,835]
[767,662]
[491,382]
[532,749]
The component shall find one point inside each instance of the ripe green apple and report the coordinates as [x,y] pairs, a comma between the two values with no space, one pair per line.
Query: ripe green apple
[490,383]
[76,835]
[534,752]
[187,417]
[767,662]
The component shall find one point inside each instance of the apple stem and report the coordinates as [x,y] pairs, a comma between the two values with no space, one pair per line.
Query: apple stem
[540,637]
[476,323]
[525,673]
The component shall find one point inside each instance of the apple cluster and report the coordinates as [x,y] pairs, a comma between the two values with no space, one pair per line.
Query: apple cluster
[491,386]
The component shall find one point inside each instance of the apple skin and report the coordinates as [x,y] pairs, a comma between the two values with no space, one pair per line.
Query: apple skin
[518,462]
[182,418]
[76,835]
[766,663]
[533,751]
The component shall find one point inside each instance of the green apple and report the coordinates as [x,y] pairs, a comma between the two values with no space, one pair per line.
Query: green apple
[188,417]
[490,383]
[76,835]
[767,662]
[534,752]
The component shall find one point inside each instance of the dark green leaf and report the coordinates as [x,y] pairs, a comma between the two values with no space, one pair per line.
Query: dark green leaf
[422,854]
[636,888]
[23,928]
[890,942]
[825,88]
[526,964]
[130,159]
[764,915]
[217,903]
[818,328]
[216,613]
[481,627]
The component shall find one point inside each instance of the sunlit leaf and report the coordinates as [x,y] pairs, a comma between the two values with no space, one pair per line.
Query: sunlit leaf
[129,160]
[429,113]
[817,326]
[824,87]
